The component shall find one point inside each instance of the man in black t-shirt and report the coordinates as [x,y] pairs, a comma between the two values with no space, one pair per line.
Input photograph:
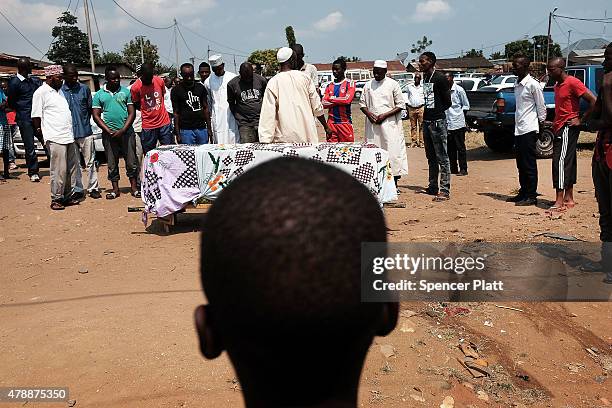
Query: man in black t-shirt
[436,91]
[245,95]
[189,102]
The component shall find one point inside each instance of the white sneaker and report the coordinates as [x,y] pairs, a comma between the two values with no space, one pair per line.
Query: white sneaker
[35,178]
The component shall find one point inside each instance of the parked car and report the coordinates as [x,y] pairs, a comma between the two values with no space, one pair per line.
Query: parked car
[359,89]
[492,111]
[503,81]
[471,84]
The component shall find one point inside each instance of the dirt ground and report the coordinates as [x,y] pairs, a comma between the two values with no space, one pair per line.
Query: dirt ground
[121,335]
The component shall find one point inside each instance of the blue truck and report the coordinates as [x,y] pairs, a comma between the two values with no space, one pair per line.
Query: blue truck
[492,112]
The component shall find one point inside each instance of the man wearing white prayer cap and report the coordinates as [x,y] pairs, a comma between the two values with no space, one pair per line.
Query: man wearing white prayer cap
[290,102]
[224,126]
[382,103]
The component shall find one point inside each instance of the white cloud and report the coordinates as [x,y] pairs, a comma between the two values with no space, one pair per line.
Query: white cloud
[330,22]
[430,10]
[32,17]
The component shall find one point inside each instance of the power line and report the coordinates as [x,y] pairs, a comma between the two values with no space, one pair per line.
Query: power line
[76,7]
[20,33]
[193,54]
[93,9]
[141,22]
[229,53]
[210,40]
[594,20]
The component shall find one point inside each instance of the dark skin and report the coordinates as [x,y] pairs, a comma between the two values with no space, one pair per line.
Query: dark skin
[426,65]
[71,78]
[189,82]
[212,345]
[246,75]
[288,66]
[220,70]
[450,79]
[24,67]
[204,73]
[556,70]
[298,52]
[113,84]
[379,75]
[417,79]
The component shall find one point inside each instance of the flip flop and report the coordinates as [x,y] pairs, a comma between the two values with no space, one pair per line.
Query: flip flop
[427,191]
[441,197]
[56,206]
[569,205]
[112,195]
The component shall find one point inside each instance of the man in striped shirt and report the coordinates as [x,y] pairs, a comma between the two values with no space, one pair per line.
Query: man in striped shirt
[337,99]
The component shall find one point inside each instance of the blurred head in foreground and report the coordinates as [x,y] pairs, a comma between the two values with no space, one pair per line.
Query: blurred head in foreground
[282,279]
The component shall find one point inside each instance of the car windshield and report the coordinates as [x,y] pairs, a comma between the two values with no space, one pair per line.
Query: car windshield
[498,80]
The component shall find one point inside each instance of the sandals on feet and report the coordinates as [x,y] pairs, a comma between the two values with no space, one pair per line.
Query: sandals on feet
[556,209]
[441,197]
[427,191]
[57,206]
[112,195]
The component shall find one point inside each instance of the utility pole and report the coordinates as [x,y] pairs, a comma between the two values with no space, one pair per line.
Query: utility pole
[141,48]
[176,47]
[235,68]
[569,32]
[192,59]
[91,54]
[534,49]
[550,16]
[208,53]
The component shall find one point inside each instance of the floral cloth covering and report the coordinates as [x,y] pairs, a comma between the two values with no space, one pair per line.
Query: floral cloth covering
[179,174]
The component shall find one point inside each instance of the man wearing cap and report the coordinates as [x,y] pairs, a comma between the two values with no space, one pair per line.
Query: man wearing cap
[224,126]
[53,122]
[290,102]
[382,103]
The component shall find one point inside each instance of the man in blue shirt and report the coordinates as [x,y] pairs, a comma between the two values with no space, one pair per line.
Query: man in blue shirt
[79,101]
[20,92]
[455,124]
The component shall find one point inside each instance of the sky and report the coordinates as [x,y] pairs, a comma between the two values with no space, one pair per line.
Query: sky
[327,29]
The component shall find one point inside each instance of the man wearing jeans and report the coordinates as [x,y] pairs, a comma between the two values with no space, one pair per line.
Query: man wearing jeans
[436,92]
[115,102]
[530,113]
[79,101]
[148,95]
[52,119]
[190,103]
[20,92]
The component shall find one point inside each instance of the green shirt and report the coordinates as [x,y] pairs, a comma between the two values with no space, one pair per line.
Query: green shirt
[113,105]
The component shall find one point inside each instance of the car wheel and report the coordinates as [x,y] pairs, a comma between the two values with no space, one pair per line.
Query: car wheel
[544,144]
[500,141]
[357,94]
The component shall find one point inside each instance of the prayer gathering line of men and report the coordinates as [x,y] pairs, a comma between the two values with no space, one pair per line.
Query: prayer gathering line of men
[247,108]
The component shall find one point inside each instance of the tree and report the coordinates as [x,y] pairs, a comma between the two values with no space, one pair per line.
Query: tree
[497,55]
[131,52]
[267,58]
[165,69]
[350,59]
[526,48]
[473,53]
[290,34]
[70,43]
[421,45]
[110,57]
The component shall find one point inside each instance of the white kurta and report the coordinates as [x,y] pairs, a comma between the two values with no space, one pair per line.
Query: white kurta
[378,98]
[224,125]
[290,104]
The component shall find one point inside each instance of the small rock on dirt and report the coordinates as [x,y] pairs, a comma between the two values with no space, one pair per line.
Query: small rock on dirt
[417,398]
[408,313]
[449,402]
[482,395]
[387,350]
[461,215]
[71,403]
[82,269]
[407,327]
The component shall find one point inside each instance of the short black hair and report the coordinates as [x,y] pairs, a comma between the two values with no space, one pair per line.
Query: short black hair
[283,279]
[109,68]
[147,69]
[430,55]
[203,64]
[186,64]
[70,67]
[341,62]
[523,57]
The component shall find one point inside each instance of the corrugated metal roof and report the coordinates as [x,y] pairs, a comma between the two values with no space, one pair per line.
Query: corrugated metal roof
[586,44]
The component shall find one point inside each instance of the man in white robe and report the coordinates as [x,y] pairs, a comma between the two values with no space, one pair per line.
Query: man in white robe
[289,105]
[224,125]
[382,103]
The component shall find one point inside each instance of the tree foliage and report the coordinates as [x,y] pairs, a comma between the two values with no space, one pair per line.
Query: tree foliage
[290,34]
[526,48]
[473,53]
[421,45]
[350,59]
[131,52]
[110,57]
[70,43]
[497,55]
[267,58]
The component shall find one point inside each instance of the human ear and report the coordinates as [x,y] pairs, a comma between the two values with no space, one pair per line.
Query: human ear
[210,344]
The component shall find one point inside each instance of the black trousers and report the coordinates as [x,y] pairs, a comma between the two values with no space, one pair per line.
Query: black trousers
[456,150]
[564,157]
[527,164]
[114,147]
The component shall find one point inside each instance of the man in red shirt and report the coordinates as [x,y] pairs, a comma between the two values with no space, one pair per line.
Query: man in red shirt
[337,99]
[566,127]
[148,97]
